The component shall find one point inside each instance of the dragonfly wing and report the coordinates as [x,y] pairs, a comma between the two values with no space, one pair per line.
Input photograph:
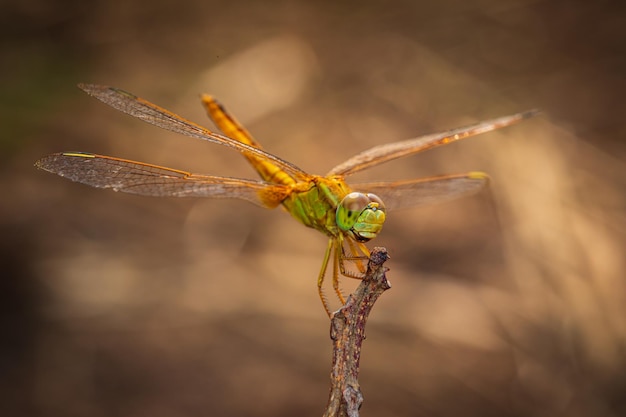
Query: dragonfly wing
[152,180]
[158,116]
[383,153]
[430,190]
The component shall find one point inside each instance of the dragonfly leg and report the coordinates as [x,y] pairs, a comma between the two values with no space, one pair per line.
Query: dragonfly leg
[320,278]
[355,249]
[359,260]
[337,254]
[358,254]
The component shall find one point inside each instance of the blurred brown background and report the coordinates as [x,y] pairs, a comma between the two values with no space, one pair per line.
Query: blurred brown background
[508,303]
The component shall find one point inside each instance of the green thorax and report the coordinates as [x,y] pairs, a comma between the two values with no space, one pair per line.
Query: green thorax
[314,203]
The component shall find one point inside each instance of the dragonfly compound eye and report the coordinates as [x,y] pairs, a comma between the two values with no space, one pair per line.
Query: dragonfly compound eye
[361,216]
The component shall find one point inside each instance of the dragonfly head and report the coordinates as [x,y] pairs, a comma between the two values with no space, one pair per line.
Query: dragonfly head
[361,216]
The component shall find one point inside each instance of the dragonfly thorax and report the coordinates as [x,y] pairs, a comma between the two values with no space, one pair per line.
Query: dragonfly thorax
[361,216]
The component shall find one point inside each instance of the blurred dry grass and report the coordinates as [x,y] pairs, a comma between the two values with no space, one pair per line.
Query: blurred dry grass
[510,303]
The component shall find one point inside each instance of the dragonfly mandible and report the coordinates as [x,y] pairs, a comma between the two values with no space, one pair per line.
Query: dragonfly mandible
[326,203]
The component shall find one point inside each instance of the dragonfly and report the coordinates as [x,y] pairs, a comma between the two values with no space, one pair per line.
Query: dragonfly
[350,215]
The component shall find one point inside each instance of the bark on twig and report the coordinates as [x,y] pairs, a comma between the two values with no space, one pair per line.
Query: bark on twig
[347,331]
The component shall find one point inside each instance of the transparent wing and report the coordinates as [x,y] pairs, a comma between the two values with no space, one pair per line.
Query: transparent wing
[158,116]
[430,190]
[152,180]
[383,153]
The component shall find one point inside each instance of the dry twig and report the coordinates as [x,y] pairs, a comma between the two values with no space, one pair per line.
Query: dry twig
[347,332]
